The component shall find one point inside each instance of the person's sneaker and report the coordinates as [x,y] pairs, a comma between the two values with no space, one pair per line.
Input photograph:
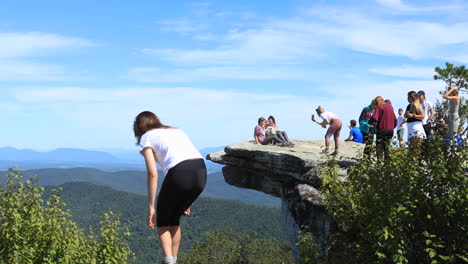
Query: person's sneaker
[324,151]
[335,153]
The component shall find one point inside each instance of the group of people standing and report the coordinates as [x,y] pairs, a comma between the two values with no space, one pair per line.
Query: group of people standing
[379,119]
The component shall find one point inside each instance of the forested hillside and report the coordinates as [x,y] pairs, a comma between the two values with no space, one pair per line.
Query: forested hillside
[87,201]
[135,182]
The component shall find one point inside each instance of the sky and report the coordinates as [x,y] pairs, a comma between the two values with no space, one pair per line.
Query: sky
[76,73]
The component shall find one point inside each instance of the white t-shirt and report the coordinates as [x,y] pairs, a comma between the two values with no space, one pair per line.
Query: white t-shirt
[170,146]
[400,120]
[427,106]
[327,115]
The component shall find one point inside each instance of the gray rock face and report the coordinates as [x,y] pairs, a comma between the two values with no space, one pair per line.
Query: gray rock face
[293,174]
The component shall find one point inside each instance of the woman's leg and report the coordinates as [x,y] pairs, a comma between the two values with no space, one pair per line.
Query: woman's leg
[182,185]
[380,144]
[165,238]
[286,137]
[329,133]
[176,234]
[388,140]
[272,139]
[336,135]
[280,135]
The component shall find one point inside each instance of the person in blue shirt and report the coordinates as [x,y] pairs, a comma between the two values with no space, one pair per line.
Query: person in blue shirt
[355,133]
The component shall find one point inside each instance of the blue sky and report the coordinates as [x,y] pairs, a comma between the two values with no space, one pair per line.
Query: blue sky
[76,73]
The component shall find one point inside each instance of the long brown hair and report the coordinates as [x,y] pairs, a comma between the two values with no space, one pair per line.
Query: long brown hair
[144,122]
[416,107]
[319,110]
[378,101]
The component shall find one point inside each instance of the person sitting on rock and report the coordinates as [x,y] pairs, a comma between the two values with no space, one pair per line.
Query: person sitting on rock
[271,123]
[261,137]
[355,133]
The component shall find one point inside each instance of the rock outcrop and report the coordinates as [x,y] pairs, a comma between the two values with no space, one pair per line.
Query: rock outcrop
[291,174]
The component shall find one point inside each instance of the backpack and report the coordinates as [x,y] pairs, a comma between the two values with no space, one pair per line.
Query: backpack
[364,125]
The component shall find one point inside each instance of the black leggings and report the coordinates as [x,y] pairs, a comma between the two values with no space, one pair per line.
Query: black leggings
[182,185]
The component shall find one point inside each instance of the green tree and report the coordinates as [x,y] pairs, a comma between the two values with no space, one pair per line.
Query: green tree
[410,209]
[452,75]
[228,247]
[36,231]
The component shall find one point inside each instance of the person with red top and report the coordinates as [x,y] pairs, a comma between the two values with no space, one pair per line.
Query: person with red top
[385,121]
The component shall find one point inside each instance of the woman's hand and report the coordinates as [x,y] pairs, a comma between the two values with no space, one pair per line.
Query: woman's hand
[187,212]
[151,218]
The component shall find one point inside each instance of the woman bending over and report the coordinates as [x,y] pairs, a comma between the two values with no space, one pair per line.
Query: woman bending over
[185,178]
[328,118]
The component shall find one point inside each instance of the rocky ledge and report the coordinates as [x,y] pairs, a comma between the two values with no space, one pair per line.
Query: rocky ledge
[292,174]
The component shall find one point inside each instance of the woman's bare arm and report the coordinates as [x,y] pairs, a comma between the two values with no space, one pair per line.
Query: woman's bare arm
[152,178]
[448,95]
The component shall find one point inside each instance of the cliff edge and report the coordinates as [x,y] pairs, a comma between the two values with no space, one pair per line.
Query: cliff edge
[292,174]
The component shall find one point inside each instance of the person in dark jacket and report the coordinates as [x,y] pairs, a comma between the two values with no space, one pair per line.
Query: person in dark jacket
[385,121]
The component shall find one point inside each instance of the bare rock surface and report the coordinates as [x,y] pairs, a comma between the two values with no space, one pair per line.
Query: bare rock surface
[291,173]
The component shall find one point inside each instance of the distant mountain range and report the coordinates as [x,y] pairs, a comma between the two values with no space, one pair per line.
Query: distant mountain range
[71,157]
[124,171]
[135,182]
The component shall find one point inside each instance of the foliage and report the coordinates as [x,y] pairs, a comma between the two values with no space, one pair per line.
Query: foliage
[411,208]
[227,247]
[309,250]
[457,75]
[86,201]
[453,75]
[36,231]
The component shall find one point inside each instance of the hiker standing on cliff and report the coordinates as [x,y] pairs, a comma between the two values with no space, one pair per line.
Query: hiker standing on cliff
[185,178]
[367,129]
[454,120]
[428,114]
[401,124]
[328,118]
[385,122]
[414,115]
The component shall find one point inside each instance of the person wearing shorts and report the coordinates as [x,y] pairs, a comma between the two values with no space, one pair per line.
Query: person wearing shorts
[414,115]
[401,124]
[185,178]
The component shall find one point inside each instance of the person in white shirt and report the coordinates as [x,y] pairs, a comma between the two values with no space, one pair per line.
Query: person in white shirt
[185,178]
[328,118]
[428,114]
[401,124]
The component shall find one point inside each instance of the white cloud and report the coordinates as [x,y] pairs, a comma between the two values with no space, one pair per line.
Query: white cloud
[158,75]
[391,3]
[182,26]
[24,71]
[320,31]
[18,45]
[406,71]
[211,117]
[17,49]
